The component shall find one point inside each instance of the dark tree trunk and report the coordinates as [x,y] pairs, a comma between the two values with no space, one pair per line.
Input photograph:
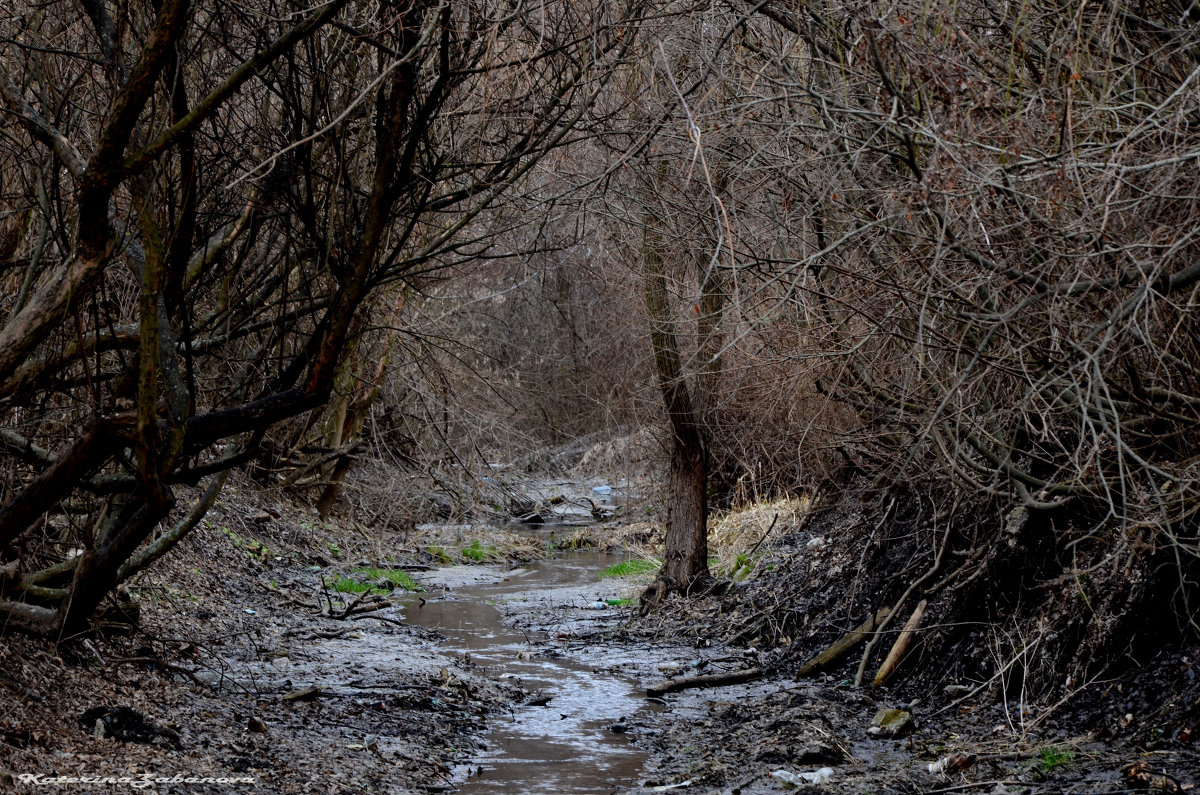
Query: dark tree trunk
[686,559]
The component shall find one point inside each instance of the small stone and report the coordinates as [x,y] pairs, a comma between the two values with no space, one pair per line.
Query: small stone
[891,723]
[306,694]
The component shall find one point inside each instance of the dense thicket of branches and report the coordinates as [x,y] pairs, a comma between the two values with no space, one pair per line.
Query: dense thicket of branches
[959,236]
[201,203]
[953,241]
[889,238]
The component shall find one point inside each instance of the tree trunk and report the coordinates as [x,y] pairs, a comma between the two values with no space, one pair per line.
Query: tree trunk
[686,559]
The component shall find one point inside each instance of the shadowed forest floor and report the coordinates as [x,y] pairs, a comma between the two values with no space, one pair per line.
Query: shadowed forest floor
[235,631]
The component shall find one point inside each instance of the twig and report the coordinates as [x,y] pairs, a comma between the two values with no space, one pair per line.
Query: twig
[379,618]
[937,564]
[764,537]
[900,647]
[288,598]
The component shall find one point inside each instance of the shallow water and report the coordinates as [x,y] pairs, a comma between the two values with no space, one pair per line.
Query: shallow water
[565,745]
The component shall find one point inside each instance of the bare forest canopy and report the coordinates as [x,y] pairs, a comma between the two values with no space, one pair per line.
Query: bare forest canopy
[949,243]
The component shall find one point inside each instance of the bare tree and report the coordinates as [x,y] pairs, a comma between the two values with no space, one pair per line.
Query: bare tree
[207,197]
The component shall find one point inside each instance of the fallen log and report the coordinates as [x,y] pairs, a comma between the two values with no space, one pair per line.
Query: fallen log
[707,680]
[900,647]
[843,645]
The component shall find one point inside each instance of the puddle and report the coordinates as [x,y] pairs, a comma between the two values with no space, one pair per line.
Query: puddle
[564,745]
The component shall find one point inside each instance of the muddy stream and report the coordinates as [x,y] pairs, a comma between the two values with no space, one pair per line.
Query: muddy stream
[568,736]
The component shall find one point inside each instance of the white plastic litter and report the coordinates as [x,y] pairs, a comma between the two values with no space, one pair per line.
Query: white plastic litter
[787,778]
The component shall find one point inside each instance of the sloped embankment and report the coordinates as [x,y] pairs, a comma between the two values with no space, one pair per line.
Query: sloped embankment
[1047,658]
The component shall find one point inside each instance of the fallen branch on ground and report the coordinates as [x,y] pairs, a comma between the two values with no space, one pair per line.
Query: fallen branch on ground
[900,647]
[843,645]
[707,680]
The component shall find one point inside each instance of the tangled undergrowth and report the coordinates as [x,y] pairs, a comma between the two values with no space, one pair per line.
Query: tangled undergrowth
[1053,616]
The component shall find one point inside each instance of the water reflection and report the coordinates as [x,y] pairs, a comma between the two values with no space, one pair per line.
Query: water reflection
[565,745]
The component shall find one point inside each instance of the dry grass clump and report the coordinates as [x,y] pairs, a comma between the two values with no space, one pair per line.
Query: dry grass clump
[640,539]
[743,531]
[635,456]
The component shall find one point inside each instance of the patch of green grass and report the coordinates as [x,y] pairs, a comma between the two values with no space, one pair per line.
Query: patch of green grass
[634,566]
[366,580]
[619,602]
[350,585]
[1053,758]
[400,579]
[439,554]
[741,567]
[479,552]
[577,540]
[334,550]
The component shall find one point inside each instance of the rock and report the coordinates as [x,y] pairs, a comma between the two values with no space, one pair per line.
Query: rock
[305,694]
[891,723]
[817,753]
[208,678]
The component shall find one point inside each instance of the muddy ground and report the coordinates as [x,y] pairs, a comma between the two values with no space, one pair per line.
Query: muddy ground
[245,664]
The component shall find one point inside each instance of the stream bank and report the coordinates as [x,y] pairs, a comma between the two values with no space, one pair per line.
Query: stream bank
[240,625]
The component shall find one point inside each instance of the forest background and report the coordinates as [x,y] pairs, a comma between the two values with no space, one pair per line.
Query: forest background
[938,259]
